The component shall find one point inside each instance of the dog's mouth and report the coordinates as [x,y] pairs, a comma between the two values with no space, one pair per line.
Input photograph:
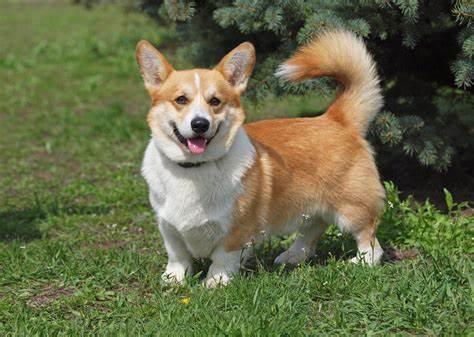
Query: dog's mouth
[196,145]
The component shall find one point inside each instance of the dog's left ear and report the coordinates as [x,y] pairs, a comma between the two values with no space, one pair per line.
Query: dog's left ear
[237,66]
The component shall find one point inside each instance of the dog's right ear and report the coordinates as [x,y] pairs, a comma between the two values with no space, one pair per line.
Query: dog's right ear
[153,65]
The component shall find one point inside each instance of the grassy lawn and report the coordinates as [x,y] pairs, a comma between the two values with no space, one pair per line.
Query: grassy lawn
[79,250]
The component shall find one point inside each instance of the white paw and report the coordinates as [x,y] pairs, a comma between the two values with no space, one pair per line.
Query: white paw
[292,257]
[174,273]
[369,258]
[357,259]
[172,278]
[216,280]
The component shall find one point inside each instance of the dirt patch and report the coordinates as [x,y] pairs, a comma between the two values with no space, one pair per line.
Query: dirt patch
[41,162]
[105,245]
[467,212]
[121,244]
[393,254]
[45,176]
[135,229]
[49,294]
[148,250]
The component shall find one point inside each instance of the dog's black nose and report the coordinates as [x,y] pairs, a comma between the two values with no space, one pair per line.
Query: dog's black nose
[200,125]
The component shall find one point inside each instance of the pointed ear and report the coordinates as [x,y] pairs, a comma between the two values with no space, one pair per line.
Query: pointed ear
[153,65]
[237,66]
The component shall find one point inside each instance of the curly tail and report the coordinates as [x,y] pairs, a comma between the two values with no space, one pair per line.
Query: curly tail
[342,55]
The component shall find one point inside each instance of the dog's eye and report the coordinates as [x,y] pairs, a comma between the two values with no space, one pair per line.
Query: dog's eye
[181,100]
[215,101]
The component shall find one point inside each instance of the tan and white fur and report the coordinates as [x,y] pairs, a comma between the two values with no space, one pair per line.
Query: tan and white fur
[219,189]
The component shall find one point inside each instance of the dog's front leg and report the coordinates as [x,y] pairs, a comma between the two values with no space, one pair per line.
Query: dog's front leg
[224,265]
[179,258]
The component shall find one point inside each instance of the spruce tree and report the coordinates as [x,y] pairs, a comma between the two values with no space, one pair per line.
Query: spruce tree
[424,50]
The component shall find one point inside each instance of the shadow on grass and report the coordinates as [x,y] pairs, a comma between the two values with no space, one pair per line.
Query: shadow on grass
[23,224]
[337,247]
[329,247]
[20,225]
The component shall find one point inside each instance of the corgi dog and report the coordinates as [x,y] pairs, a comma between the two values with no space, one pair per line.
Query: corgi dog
[218,185]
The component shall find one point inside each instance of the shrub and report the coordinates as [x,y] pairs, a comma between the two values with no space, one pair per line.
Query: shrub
[423,48]
[407,223]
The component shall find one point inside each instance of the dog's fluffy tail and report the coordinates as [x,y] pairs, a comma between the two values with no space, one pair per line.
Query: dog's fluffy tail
[342,55]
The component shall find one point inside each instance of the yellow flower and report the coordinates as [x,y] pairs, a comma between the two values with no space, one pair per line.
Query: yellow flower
[185,300]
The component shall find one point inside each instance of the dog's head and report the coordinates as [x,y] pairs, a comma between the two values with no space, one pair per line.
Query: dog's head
[195,114]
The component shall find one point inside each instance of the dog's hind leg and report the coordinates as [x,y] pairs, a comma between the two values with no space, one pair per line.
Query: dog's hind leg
[357,208]
[363,227]
[304,245]
[368,248]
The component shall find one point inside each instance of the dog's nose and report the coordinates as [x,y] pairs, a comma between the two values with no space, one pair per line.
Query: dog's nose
[200,125]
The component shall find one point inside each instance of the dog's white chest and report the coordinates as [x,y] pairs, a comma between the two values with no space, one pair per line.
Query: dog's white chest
[199,197]
[198,201]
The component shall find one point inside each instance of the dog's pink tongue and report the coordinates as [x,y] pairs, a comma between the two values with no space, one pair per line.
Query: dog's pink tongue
[197,145]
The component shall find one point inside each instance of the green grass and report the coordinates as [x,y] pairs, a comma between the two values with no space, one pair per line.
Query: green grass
[79,250]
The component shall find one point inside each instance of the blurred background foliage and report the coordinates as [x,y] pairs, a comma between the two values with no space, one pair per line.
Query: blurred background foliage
[424,51]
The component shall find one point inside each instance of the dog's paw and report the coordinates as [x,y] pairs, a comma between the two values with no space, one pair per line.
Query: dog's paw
[367,259]
[217,280]
[357,259]
[292,257]
[171,278]
[174,274]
